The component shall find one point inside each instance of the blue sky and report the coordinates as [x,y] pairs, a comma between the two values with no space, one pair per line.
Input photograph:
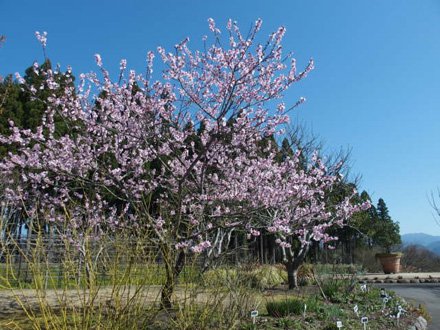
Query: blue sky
[375,89]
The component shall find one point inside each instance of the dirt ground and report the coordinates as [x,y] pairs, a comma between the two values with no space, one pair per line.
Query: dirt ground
[13,302]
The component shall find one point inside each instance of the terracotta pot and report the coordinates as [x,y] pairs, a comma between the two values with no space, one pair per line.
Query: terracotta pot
[390,262]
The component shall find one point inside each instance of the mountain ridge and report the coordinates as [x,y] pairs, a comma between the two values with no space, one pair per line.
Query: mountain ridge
[430,242]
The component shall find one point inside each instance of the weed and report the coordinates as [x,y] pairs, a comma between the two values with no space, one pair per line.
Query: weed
[248,326]
[336,289]
[330,312]
[313,303]
[285,323]
[331,326]
[422,311]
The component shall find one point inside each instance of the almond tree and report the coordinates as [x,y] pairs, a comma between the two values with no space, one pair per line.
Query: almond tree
[177,157]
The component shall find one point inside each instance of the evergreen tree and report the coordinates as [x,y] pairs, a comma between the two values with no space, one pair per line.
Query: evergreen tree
[382,211]
[285,150]
[11,108]
[19,105]
[386,231]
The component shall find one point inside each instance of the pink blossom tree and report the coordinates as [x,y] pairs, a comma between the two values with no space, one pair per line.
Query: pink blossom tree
[309,210]
[178,158]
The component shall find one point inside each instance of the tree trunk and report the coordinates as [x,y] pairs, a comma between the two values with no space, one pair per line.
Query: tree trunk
[352,249]
[172,275]
[167,291]
[236,254]
[292,275]
[292,265]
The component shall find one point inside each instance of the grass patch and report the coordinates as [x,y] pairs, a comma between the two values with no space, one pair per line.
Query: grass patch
[285,308]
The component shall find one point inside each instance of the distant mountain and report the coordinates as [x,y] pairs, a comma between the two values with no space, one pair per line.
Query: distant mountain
[434,247]
[430,242]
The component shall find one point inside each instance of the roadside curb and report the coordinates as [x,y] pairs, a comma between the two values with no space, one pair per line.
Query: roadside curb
[401,278]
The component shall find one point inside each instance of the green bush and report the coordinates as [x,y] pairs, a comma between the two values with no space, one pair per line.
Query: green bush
[285,307]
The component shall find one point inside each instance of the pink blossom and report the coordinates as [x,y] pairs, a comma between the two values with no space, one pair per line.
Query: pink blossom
[211,24]
[258,24]
[199,248]
[41,37]
[98,60]
[182,245]
[123,64]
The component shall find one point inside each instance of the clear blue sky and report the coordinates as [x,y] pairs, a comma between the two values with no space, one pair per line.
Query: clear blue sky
[376,86]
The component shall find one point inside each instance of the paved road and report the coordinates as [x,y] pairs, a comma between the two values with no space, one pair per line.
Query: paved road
[428,294]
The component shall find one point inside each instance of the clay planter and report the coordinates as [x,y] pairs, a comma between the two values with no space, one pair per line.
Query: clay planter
[390,262]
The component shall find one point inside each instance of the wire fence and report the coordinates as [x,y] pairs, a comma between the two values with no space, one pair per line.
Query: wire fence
[56,262]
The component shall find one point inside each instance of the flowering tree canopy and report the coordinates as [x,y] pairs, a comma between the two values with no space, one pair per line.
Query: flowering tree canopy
[180,156]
